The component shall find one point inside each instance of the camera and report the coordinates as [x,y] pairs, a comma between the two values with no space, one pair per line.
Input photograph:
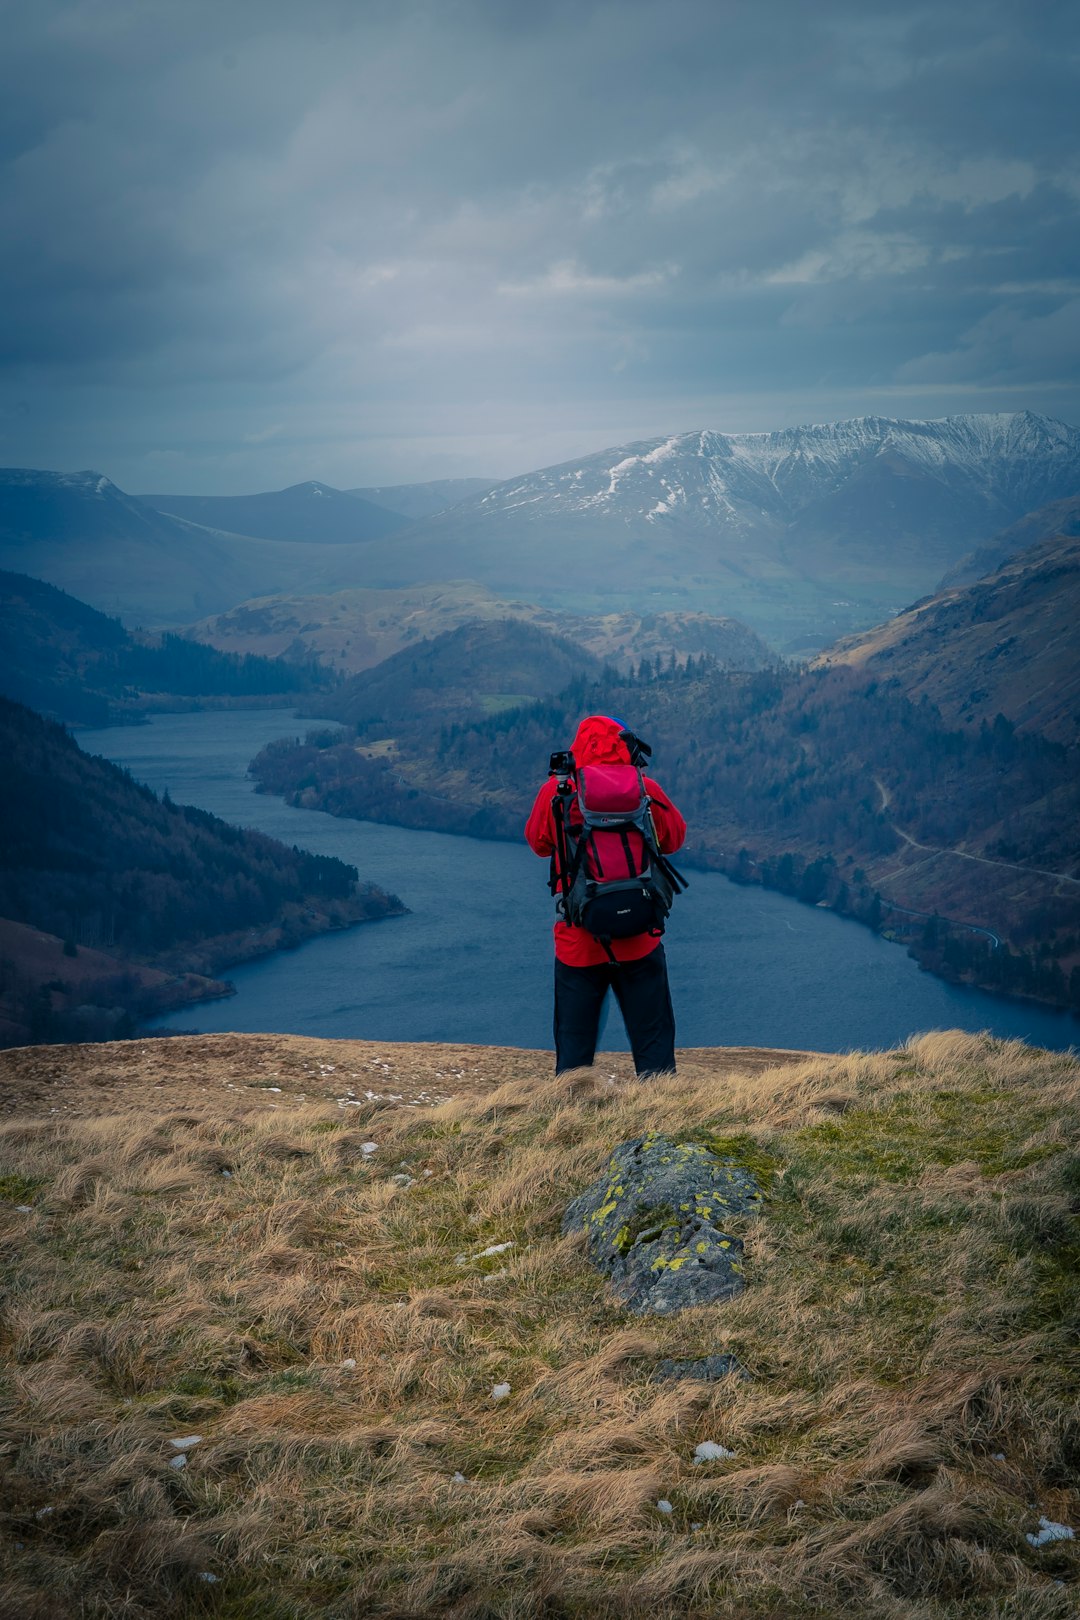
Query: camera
[640,752]
[561,764]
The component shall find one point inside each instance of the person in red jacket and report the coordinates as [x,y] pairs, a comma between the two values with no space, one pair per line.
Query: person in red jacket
[584,971]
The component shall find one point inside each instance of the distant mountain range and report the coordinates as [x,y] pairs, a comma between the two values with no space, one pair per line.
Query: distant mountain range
[79,531]
[805,534]
[312,513]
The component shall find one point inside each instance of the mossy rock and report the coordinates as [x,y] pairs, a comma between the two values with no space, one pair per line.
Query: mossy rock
[655,1223]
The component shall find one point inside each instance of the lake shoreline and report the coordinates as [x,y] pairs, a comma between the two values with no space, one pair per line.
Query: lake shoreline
[471,962]
[781,870]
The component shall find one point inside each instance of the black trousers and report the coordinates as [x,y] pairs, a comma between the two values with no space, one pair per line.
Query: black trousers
[641,989]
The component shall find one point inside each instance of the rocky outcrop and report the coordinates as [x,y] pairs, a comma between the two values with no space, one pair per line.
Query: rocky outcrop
[656,1221]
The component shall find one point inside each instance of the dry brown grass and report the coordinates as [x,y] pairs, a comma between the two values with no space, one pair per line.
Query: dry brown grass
[237,1268]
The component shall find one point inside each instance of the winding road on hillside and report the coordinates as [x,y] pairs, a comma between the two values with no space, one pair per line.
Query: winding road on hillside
[932,851]
[963,854]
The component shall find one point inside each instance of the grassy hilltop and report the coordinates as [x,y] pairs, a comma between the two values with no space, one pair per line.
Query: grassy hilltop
[201,1241]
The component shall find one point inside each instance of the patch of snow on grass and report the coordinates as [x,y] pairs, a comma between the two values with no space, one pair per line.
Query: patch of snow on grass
[1049,1531]
[709,1451]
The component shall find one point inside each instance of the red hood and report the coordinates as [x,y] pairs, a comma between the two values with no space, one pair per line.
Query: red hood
[597,742]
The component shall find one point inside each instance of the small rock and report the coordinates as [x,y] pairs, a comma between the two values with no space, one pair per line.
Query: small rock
[349,1364]
[228,1177]
[709,1451]
[459,1479]
[23,1209]
[179,1461]
[494,1248]
[402,1180]
[185,1442]
[369,1147]
[997,1456]
[664,1506]
[500,1392]
[697,1527]
[205,1575]
[1049,1531]
[43,1513]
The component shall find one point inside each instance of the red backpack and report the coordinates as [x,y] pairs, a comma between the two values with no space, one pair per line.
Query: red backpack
[609,875]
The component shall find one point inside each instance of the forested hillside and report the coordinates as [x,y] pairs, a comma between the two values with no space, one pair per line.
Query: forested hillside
[92,858]
[67,660]
[469,672]
[832,787]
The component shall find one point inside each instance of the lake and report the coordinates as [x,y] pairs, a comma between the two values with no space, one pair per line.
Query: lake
[472,961]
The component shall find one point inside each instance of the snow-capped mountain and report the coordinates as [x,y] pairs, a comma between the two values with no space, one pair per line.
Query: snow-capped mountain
[705,478]
[836,523]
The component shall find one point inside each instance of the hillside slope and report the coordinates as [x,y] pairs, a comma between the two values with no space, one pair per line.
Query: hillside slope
[466,673]
[1058,519]
[354,630]
[69,661]
[290,1331]
[1006,644]
[94,859]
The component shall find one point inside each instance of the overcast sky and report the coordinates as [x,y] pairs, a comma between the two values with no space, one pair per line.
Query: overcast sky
[248,242]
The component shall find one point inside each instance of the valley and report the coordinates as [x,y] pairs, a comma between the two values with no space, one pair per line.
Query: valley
[919,774]
[921,778]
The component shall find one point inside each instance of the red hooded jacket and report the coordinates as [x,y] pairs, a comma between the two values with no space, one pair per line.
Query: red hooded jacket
[598,743]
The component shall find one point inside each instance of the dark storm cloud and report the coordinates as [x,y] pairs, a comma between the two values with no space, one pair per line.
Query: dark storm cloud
[250,241]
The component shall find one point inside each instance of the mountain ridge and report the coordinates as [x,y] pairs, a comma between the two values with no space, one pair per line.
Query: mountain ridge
[807,532]
[307,513]
[85,535]
[804,533]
